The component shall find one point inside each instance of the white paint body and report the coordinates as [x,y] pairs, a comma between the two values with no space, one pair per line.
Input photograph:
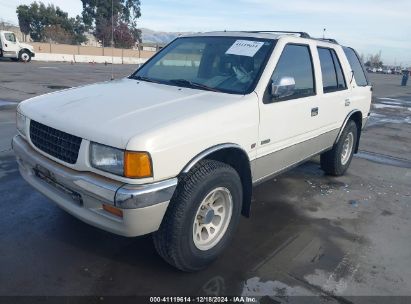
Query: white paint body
[11,49]
[175,124]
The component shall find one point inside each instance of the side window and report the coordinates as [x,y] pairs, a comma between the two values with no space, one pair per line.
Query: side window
[356,67]
[10,37]
[333,78]
[295,61]
[340,75]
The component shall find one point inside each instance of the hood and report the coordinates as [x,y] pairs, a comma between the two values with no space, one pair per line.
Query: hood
[113,112]
[26,46]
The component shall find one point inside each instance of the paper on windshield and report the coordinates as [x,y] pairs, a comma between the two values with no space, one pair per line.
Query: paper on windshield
[244,48]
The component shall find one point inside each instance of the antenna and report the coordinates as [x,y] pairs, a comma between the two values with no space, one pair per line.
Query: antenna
[112,39]
[324,29]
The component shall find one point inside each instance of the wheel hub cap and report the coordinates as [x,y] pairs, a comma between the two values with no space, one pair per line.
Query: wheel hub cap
[347,148]
[207,216]
[212,218]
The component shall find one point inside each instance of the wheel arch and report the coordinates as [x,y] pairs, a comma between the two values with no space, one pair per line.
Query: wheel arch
[356,116]
[25,50]
[235,156]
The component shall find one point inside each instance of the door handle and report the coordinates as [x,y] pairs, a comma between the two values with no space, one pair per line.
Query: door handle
[347,102]
[314,111]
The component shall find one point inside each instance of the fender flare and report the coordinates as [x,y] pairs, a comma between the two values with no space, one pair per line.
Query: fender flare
[345,123]
[246,177]
[209,151]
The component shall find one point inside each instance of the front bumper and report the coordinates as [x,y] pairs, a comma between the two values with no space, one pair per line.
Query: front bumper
[83,194]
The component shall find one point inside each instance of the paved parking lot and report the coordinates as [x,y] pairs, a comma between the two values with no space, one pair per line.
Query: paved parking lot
[309,234]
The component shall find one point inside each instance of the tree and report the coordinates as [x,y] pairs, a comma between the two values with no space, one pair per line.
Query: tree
[374,61]
[123,14]
[23,15]
[50,22]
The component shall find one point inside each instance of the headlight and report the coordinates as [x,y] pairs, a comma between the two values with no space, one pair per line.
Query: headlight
[124,163]
[21,122]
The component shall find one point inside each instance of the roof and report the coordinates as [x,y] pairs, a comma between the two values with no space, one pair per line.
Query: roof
[261,34]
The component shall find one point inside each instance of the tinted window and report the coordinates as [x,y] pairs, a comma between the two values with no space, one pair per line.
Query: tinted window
[327,69]
[340,75]
[295,61]
[333,78]
[356,67]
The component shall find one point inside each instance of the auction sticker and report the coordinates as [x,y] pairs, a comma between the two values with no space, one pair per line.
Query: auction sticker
[244,48]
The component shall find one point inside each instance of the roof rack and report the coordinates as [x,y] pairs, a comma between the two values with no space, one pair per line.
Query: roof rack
[328,40]
[302,34]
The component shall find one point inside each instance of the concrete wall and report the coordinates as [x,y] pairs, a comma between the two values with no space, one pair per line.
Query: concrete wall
[87,58]
[78,53]
[40,47]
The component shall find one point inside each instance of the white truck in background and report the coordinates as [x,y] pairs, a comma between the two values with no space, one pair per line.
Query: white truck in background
[11,48]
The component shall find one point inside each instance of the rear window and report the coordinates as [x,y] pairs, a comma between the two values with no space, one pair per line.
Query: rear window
[356,67]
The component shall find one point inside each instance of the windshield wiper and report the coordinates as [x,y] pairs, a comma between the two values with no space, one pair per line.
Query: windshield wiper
[144,78]
[192,84]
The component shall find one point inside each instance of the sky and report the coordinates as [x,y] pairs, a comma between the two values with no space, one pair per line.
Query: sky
[369,26]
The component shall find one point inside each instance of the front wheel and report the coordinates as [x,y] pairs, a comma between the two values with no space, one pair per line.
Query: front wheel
[202,216]
[25,56]
[337,160]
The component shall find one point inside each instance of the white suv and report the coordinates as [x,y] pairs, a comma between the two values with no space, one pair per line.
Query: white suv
[176,148]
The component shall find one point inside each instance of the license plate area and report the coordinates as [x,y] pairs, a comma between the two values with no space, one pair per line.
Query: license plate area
[47,176]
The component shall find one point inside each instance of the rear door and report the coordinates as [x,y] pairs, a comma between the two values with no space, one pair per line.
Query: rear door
[335,94]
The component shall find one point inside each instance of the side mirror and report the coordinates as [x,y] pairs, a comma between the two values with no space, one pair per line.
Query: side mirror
[283,87]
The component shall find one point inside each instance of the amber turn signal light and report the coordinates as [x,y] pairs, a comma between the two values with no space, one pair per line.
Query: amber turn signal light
[113,210]
[137,164]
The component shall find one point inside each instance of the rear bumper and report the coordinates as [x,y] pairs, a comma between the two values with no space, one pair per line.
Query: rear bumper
[83,194]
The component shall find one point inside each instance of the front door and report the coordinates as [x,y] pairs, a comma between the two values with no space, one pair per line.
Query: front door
[288,130]
[10,45]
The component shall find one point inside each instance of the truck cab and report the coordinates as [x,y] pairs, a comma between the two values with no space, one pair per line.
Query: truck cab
[11,47]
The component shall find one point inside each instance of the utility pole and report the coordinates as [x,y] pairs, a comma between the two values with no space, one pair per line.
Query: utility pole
[112,39]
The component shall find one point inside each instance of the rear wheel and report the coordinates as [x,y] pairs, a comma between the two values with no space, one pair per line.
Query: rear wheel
[337,160]
[202,216]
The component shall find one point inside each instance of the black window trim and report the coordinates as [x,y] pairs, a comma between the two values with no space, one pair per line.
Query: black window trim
[267,96]
[335,69]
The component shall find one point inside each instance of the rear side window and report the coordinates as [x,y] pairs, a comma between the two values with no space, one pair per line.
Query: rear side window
[333,77]
[295,61]
[356,67]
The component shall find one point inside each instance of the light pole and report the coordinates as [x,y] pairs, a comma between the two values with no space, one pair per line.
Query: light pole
[112,39]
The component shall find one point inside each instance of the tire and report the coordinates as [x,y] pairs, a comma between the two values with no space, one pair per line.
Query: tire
[336,161]
[25,56]
[181,239]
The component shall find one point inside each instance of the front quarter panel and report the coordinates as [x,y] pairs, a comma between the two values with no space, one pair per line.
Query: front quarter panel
[173,146]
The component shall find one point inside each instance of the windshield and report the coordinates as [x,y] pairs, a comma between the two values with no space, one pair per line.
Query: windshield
[223,64]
